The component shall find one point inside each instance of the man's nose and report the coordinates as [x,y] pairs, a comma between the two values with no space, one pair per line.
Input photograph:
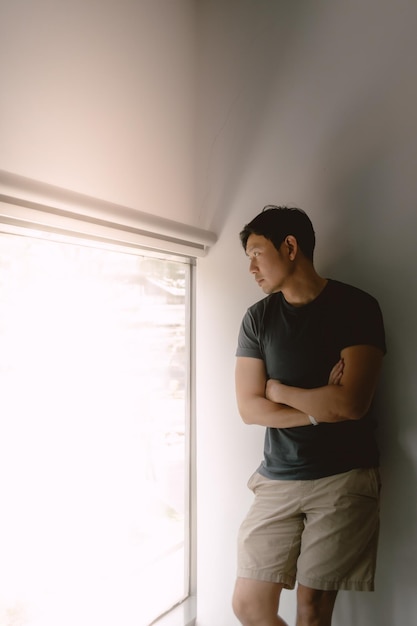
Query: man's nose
[253,268]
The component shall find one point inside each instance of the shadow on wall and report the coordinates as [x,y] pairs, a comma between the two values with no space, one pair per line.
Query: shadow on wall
[247,48]
[371,190]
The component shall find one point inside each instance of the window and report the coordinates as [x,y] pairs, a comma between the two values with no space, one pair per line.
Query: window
[94,433]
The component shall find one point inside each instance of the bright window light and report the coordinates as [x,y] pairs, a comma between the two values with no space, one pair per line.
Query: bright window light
[93,434]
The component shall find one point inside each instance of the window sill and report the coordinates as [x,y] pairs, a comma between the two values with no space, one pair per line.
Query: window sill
[182,615]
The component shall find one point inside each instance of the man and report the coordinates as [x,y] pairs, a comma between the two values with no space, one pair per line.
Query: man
[308,360]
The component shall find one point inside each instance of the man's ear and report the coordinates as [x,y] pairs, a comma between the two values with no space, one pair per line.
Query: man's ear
[291,245]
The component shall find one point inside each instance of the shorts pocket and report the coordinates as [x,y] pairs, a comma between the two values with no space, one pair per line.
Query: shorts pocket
[364,483]
[253,480]
[375,480]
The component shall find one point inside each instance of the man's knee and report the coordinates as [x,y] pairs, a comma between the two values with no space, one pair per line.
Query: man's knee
[244,608]
[244,602]
[314,607]
[255,601]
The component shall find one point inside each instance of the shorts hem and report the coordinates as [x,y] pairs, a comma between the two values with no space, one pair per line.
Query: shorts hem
[268,577]
[337,585]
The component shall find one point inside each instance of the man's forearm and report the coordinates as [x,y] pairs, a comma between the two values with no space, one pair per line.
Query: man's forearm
[328,404]
[264,412]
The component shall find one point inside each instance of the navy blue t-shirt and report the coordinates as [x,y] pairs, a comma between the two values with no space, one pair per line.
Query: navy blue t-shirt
[299,346]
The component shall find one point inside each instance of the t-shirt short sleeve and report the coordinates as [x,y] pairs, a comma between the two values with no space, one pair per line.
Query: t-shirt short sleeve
[363,323]
[248,338]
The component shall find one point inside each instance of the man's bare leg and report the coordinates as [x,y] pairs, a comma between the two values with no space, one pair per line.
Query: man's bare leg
[256,603]
[314,607]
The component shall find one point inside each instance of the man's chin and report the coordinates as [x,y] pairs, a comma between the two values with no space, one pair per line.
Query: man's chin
[267,289]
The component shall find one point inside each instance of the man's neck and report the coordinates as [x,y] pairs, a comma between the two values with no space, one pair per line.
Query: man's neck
[304,289]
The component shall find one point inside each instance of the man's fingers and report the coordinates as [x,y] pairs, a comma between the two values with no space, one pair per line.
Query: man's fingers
[336,373]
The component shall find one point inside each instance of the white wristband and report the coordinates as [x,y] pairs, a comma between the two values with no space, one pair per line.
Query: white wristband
[313,421]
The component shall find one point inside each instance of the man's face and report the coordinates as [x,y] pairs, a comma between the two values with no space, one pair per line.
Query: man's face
[269,266]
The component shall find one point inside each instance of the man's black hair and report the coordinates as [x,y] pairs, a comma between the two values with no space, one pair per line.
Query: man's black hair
[276,222]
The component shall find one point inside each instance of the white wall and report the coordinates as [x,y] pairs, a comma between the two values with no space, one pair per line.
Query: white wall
[97,96]
[313,104]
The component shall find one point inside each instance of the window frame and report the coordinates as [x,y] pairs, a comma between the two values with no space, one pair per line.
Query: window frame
[18,220]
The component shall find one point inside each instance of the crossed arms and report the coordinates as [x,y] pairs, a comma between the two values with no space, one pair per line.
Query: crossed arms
[347,396]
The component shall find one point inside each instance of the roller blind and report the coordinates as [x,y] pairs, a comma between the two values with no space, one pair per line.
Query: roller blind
[33,204]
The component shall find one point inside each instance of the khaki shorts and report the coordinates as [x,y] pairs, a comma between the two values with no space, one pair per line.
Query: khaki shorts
[323,533]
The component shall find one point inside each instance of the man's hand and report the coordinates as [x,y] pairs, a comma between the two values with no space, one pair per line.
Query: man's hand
[272,389]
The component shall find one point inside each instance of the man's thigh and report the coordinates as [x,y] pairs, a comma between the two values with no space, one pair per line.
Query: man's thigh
[269,538]
[339,542]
